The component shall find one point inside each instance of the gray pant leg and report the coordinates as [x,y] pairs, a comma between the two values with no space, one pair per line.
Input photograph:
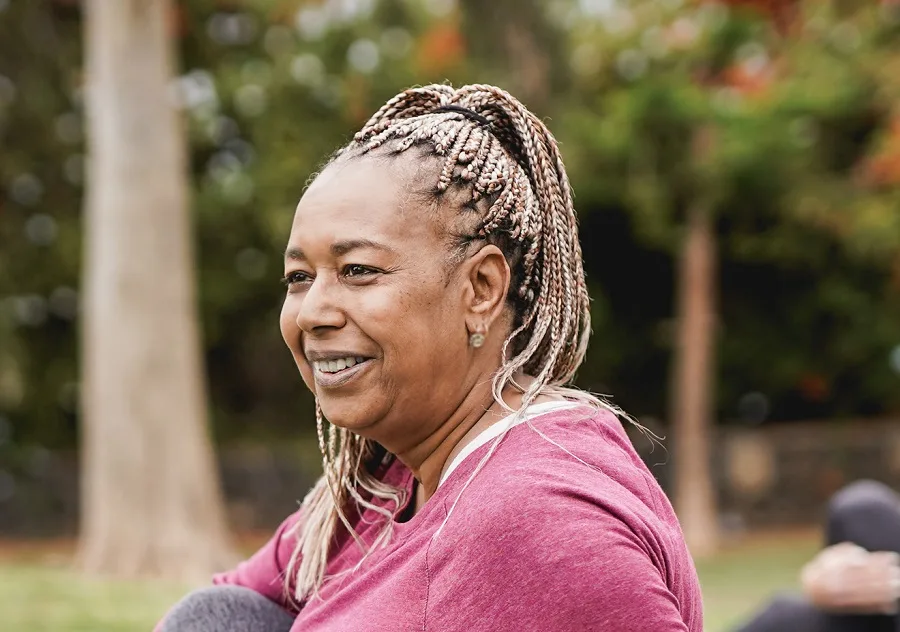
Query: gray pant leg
[226,609]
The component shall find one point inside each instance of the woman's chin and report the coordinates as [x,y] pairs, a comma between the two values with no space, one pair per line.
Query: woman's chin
[354,418]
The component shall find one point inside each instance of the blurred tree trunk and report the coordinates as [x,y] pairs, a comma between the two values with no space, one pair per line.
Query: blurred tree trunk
[151,498]
[692,384]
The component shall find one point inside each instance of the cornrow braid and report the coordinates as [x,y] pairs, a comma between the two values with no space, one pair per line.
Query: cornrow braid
[511,164]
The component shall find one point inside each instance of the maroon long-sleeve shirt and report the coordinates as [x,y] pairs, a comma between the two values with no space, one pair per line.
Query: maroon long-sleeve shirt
[549,538]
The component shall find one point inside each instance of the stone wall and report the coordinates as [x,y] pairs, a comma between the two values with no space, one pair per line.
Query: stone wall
[765,477]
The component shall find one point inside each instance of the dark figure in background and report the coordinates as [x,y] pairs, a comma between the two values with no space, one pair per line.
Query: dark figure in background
[854,583]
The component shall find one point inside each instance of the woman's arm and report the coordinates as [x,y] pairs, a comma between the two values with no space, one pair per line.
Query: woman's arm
[847,578]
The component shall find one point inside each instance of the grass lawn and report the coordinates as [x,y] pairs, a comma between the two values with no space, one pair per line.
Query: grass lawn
[38,593]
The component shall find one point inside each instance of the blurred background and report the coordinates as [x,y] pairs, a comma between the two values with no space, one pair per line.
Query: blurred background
[761,139]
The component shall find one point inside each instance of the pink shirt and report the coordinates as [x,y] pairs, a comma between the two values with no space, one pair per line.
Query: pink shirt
[538,541]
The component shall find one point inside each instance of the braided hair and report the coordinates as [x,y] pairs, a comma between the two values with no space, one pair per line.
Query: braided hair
[489,144]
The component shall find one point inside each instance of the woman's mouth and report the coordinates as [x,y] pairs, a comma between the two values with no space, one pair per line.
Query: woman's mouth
[337,365]
[339,371]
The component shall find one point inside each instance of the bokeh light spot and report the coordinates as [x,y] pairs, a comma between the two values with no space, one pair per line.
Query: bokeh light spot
[363,56]
[41,229]
[26,189]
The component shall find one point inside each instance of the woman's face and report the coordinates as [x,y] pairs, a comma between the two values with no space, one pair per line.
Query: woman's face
[375,321]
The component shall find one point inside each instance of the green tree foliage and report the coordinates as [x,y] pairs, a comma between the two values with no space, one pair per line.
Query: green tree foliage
[41,173]
[776,135]
[802,139]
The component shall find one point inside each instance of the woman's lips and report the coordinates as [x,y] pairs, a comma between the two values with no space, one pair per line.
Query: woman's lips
[341,377]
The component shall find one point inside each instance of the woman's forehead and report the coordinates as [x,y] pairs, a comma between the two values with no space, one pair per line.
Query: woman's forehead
[364,197]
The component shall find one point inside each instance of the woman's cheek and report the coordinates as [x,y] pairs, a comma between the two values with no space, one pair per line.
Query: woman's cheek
[307,374]
[287,323]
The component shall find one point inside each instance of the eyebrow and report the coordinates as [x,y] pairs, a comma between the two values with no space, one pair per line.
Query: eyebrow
[339,249]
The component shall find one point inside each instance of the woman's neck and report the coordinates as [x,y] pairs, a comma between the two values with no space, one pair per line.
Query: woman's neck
[478,412]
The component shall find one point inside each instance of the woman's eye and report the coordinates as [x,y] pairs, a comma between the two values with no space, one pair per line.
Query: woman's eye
[293,278]
[356,270]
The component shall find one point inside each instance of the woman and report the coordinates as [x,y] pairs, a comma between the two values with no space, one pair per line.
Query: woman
[853,585]
[436,306]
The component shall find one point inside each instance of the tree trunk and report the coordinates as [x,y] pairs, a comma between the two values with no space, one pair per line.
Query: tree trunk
[151,498]
[692,384]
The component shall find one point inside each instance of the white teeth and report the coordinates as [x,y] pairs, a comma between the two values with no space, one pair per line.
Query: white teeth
[333,366]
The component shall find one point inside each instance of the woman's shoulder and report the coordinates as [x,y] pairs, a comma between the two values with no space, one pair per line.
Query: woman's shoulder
[576,464]
[582,437]
[566,496]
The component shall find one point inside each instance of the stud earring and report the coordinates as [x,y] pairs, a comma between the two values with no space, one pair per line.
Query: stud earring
[476,339]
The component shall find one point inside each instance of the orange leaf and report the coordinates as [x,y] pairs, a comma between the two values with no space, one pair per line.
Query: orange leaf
[440,48]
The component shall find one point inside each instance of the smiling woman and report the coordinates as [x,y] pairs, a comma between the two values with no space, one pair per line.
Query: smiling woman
[436,306]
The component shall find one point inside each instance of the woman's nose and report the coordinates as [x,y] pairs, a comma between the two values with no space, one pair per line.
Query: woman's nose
[320,307]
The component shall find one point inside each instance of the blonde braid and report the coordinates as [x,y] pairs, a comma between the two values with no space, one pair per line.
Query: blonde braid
[511,162]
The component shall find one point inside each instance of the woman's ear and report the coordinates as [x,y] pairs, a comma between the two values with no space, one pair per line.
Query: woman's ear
[488,278]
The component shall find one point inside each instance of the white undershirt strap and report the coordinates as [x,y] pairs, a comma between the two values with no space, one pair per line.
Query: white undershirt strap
[502,426]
